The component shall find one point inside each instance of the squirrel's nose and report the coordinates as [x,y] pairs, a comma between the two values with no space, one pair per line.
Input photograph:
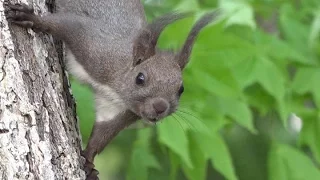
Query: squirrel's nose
[160,106]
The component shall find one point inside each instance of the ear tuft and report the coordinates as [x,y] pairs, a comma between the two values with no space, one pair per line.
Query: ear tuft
[145,44]
[183,56]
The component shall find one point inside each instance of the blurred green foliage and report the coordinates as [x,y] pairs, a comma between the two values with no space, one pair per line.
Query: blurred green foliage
[249,72]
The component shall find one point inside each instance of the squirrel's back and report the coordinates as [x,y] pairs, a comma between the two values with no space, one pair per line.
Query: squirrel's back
[119,16]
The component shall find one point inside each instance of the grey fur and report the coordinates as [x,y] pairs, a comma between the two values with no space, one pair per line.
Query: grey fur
[110,43]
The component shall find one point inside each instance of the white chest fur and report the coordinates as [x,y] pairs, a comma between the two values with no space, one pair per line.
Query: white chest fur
[107,109]
[108,103]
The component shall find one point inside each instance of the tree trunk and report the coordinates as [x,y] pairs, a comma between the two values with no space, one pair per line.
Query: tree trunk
[39,134]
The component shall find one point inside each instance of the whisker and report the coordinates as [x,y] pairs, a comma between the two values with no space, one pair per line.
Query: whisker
[189,113]
[184,120]
[184,131]
[190,124]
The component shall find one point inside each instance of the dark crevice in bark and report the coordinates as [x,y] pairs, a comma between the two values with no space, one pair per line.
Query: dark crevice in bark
[30,157]
[40,125]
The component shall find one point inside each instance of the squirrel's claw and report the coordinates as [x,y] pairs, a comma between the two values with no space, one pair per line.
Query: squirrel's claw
[27,24]
[20,14]
[20,7]
[91,173]
[88,167]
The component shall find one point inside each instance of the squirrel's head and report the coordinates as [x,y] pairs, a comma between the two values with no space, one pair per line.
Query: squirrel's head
[154,80]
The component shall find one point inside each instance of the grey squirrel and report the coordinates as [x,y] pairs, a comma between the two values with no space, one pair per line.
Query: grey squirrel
[112,48]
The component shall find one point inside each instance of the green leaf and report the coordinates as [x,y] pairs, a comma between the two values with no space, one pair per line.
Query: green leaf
[198,172]
[214,148]
[315,29]
[269,76]
[227,88]
[287,163]
[174,165]
[310,136]
[262,70]
[282,51]
[290,20]
[142,159]
[237,110]
[307,81]
[188,5]
[217,49]
[172,135]
[240,12]
[244,73]
[277,168]
[296,32]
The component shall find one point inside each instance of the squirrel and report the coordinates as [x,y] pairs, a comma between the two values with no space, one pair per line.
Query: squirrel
[112,48]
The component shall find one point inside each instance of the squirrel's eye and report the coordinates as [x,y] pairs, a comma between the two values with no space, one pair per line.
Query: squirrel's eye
[181,90]
[140,79]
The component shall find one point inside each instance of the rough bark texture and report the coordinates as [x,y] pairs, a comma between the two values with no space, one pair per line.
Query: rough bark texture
[39,135]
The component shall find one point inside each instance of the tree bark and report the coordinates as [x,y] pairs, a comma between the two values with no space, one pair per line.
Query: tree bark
[39,134]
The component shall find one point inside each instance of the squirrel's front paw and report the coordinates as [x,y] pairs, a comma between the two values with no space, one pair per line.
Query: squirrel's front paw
[91,173]
[20,14]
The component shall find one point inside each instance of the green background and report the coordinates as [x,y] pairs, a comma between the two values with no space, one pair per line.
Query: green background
[250,74]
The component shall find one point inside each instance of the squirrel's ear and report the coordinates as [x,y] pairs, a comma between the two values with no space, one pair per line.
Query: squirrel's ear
[142,47]
[145,44]
[183,56]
